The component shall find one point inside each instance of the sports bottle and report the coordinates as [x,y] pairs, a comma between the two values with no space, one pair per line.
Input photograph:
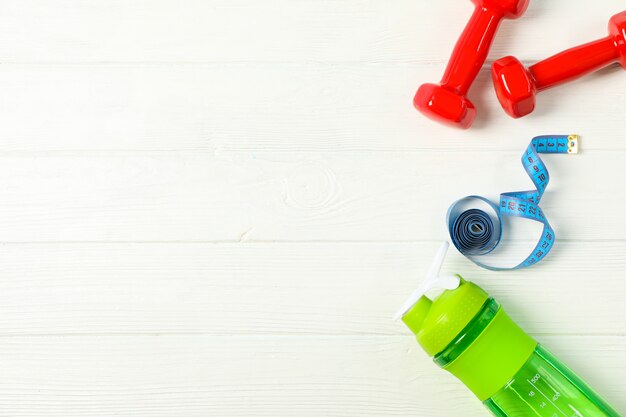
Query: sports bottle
[470,335]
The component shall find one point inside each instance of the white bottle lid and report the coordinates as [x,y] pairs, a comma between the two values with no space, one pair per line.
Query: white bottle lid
[432,281]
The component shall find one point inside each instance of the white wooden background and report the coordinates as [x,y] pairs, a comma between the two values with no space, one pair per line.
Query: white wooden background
[214,207]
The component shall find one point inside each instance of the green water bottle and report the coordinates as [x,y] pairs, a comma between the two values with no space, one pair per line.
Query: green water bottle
[470,335]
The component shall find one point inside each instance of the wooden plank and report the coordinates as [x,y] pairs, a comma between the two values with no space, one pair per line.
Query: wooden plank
[278,108]
[279,31]
[249,376]
[222,196]
[285,289]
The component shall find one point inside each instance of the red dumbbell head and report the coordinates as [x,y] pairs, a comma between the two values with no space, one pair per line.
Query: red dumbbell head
[444,105]
[511,9]
[514,86]
[617,29]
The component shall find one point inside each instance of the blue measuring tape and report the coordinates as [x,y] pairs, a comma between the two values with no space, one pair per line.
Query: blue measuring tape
[475,223]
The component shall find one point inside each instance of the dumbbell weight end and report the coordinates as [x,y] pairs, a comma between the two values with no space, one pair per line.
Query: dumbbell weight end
[444,105]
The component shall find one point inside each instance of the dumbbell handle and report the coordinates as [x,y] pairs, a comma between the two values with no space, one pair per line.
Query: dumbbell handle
[471,49]
[574,63]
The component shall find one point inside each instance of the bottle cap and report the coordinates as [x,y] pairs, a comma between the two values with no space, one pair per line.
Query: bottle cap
[436,323]
[468,333]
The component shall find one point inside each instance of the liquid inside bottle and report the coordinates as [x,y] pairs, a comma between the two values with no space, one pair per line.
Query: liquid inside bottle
[544,387]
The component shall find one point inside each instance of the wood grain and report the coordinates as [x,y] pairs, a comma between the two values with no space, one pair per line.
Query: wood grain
[279,30]
[279,108]
[286,289]
[222,196]
[245,376]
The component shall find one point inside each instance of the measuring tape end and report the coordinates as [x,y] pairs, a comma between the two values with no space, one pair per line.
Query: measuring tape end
[572,144]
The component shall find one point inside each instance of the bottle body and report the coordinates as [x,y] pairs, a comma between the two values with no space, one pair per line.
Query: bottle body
[544,387]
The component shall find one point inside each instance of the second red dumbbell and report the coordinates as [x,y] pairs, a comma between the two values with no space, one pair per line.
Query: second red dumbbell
[517,86]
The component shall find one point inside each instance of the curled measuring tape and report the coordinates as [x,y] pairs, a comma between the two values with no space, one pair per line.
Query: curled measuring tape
[475,223]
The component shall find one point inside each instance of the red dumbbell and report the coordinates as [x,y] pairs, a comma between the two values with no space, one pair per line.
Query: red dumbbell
[517,86]
[447,102]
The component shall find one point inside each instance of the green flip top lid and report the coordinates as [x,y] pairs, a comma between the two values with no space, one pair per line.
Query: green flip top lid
[467,332]
[437,323]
